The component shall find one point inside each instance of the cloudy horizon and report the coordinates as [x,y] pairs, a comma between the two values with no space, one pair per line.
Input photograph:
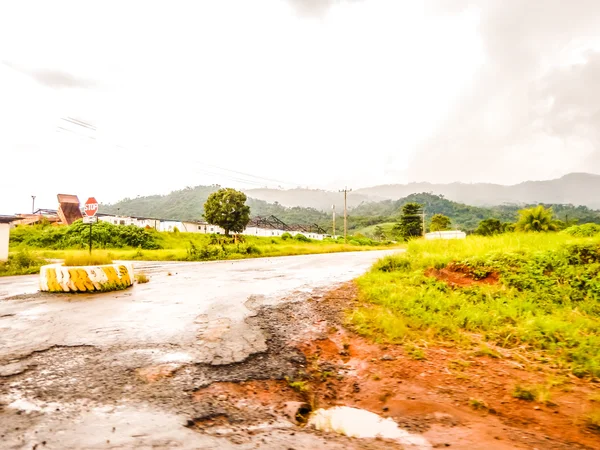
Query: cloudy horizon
[117,99]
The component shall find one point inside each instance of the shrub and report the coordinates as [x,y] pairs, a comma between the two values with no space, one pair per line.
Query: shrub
[585,230]
[301,238]
[104,235]
[21,263]
[141,278]
[285,236]
[392,264]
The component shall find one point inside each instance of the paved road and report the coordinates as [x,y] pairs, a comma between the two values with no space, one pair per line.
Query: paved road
[189,313]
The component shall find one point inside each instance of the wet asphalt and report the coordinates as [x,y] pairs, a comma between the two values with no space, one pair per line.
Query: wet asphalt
[66,361]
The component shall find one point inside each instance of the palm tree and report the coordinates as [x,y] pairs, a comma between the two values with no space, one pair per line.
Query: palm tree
[536,219]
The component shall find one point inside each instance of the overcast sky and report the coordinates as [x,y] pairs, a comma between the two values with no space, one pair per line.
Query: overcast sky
[116,99]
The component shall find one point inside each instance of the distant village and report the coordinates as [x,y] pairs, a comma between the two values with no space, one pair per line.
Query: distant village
[70,210]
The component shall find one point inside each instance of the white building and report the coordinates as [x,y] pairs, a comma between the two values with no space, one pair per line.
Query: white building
[5,235]
[450,234]
[198,227]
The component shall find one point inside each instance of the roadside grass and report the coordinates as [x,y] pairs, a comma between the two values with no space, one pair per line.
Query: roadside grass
[202,247]
[541,297]
[87,259]
[370,230]
[22,262]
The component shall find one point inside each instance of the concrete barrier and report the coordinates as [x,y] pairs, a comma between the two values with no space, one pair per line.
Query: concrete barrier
[110,277]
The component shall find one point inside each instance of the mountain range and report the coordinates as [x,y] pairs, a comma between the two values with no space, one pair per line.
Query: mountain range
[575,188]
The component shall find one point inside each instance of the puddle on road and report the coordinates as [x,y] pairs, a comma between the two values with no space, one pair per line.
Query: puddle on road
[359,423]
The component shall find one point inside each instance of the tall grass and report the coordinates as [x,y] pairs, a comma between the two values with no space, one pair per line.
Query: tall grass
[21,263]
[87,259]
[546,298]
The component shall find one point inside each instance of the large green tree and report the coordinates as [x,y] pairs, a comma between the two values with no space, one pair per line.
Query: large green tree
[536,219]
[490,227]
[440,222]
[411,222]
[227,208]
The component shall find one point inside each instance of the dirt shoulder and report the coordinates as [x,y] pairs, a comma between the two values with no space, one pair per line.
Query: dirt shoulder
[455,398]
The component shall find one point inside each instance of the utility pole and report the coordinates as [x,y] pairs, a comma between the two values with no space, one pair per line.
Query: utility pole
[333,208]
[345,191]
[32,204]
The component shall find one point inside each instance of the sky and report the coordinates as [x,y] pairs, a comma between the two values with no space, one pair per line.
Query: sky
[117,99]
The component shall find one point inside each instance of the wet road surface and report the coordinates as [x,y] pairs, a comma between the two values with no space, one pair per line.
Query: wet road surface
[61,354]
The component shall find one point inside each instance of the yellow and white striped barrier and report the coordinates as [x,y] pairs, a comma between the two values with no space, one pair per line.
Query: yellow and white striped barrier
[110,277]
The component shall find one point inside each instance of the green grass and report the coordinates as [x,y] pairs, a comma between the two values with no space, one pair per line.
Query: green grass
[370,230]
[22,262]
[592,420]
[546,300]
[524,393]
[141,278]
[87,259]
[202,247]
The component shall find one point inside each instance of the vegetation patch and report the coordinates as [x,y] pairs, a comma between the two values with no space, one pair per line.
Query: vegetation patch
[141,278]
[21,263]
[542,295]
[87,259]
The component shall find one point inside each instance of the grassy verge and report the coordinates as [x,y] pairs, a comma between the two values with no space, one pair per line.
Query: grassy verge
[21,263]
[186,247]
[210,253]
[535,293]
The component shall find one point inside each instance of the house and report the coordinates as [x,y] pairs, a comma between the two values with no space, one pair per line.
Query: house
[5,222]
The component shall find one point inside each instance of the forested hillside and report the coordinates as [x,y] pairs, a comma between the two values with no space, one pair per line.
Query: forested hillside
[187,204]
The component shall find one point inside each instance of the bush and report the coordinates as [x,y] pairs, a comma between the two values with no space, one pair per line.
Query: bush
[21,263]
[585,230]
[285,236]
[301,238]
[392,264]
[104,235]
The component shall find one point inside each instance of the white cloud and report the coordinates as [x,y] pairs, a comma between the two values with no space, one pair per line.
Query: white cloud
[342,95]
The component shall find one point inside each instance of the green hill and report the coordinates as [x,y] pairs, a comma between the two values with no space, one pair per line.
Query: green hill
[187,204]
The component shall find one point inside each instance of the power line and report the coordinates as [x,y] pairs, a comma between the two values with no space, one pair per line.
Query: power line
[250,175]
[207,172]
[345,191]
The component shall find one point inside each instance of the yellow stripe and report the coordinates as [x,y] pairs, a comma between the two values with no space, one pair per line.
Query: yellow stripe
[81,280]
[53,285]
[125,278]
[111,274]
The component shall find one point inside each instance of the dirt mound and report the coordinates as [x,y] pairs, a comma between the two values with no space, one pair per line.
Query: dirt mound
[460,275]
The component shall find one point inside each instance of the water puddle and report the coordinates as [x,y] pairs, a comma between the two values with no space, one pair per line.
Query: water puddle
[359,423]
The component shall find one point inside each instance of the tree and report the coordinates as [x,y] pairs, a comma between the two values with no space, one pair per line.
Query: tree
[537,219]
[410,224]
[490,227]
[227,208]
[440,222]
[379,233]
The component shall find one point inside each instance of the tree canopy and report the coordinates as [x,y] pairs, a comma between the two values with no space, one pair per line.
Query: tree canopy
[410,224]
[440,222]
[536,219]
[227,208]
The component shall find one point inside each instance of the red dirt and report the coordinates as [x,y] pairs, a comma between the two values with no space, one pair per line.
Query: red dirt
[431,396]
[461,276]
